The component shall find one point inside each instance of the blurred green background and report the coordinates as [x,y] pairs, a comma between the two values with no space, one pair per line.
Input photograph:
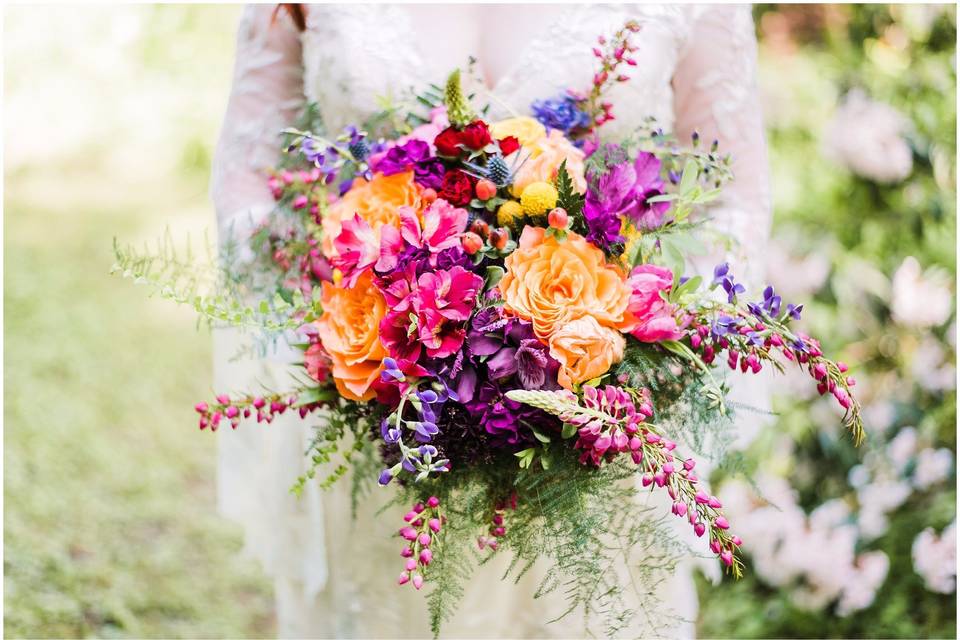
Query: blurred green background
[111,114]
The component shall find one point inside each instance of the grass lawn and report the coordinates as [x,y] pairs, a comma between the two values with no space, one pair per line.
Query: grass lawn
[110,524]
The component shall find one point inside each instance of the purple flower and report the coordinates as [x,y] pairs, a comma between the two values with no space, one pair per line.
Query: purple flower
[389,431]
[424,431]
[771,302]
[561,112]
[535,368]
[720,271]
[429,173]
[623,190]
[722,325]
[603,225]
[503,364]
[401,158]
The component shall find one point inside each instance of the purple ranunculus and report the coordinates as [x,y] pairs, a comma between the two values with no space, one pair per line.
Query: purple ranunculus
[429,173]
[402,157]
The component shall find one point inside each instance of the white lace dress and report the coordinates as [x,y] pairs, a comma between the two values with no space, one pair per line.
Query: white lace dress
[335,576]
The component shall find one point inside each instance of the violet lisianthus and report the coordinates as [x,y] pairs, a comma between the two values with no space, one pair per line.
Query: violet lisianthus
[624,190]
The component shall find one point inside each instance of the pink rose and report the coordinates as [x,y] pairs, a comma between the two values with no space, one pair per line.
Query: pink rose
[655,317]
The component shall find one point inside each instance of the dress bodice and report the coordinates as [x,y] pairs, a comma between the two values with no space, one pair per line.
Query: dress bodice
[355,54]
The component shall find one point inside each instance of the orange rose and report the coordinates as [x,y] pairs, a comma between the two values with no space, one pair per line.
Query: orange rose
[375,201]
[585,350]
[350,333]
[550,282]
[546,156]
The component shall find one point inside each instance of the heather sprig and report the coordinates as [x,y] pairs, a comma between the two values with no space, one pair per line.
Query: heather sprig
[611,54]
[424,523]
[265,407]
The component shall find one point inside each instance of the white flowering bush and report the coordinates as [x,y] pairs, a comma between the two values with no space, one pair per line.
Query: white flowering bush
[862,126]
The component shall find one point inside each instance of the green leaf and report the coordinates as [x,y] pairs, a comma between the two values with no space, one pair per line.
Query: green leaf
[313,395]
[540,436]
[569,430]
[526,457]
[673,257]
[567,196]
[493,276]
[666,197]
[689,178]
[689,286]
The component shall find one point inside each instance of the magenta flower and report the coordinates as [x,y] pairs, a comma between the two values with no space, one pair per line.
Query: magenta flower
[452,294]
[442,226]
[439,336]
[624,191]
[357,249]
[427,313]
[655,317]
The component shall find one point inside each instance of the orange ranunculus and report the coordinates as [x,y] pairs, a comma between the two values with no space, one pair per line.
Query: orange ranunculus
[349,330]
[545,157]
[376,201]
[585,349]
[549,282]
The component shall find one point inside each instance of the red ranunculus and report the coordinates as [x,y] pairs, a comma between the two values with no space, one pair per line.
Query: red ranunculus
[476,135]
[446,142]
[508,145]
[457,188]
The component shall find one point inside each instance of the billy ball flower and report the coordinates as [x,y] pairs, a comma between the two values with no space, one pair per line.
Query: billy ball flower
[509,212]
[538,197]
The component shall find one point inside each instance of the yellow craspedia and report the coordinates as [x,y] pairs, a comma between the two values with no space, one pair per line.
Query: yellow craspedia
[538,197]
[526,130]
[508,213]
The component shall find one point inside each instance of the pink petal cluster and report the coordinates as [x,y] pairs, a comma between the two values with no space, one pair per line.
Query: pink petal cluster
[358,246]
[424,523]
[655,318]
[428,312]
[357,249]
[443,224]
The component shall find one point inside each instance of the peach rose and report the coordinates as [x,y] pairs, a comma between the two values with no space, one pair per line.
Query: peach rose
[553,283]
[545,157]
[585,349]
[376,201]
[350,333]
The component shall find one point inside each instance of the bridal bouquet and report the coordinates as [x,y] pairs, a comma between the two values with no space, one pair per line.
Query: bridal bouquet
[495,320]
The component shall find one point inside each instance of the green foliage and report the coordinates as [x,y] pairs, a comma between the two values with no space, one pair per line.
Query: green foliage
[219,300]
[592,529]
[568,198]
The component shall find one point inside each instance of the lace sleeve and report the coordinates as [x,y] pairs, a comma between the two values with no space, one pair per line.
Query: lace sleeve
[715,89]
[267,92]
